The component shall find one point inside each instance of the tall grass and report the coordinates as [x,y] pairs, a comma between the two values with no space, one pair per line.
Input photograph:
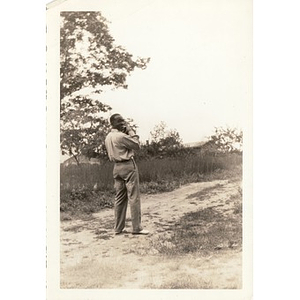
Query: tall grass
[99,177]
[93,177]
[89,187]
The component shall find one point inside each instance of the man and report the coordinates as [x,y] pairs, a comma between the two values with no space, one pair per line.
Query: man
[120,144]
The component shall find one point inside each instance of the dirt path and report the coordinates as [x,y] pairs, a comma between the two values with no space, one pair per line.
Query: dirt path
[92,257]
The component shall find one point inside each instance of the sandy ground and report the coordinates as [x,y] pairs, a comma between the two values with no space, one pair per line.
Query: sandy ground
[92,257]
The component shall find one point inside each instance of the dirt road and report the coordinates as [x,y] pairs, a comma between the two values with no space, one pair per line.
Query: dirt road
[92,257]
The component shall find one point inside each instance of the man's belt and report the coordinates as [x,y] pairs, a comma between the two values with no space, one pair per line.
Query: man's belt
[124,161]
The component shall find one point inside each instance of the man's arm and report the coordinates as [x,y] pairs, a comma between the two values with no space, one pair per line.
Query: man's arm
[131,140]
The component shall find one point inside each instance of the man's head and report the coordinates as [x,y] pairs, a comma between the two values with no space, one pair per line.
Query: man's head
[117,122]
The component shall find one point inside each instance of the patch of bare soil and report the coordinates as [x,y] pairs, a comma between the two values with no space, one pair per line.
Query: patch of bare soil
[92,257]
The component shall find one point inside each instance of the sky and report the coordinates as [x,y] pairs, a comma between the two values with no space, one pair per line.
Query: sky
[200,72]
[199,75]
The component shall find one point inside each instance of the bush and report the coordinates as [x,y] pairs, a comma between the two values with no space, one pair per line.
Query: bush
[84,201]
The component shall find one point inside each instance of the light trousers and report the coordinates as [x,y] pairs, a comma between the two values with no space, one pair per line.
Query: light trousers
[126,183]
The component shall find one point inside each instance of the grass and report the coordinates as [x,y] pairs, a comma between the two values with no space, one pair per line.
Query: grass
[195,255]
[204,231]
[88,188]
[83,202]
[201,194]
[182,281]
[97,274]
[220,270]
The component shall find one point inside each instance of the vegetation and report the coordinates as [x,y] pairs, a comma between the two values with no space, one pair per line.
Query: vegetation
[199,250]
[225,140]
[90,61]
[205,230]
[88,188]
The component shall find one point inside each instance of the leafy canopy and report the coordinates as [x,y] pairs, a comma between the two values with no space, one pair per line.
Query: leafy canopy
[164,141]
[226,140]
[90,63]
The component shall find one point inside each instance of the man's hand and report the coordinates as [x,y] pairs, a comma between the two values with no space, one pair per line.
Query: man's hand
[128,130]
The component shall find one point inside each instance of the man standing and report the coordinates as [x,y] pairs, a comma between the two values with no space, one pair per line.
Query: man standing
[120,144]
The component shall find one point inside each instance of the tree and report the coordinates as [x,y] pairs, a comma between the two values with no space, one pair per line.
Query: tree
[164,141]
[90,63]
[159,132]
[226,140]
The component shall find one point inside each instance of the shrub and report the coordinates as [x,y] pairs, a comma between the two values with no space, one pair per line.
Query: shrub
[84,201]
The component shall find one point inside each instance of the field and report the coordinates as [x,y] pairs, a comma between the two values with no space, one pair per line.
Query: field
[87,188]
[194,212]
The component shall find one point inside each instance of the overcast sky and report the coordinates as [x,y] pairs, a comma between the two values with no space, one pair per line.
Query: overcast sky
[200,72]
[199,75]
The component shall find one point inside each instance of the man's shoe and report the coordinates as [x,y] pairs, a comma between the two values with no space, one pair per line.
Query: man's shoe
[144,231]
[121,232]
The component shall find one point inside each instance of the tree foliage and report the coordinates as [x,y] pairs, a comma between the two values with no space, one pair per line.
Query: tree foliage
[226,140]
[90,63]
[164,142]
[165,137]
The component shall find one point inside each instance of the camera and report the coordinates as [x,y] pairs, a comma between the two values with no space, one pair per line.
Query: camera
[123,129]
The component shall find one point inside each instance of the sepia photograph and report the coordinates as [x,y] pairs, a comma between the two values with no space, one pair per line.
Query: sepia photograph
[149,149]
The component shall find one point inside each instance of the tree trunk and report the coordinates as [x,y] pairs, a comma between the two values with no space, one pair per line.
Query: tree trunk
[75,157]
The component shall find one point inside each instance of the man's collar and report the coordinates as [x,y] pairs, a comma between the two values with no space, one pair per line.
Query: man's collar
[114,130]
